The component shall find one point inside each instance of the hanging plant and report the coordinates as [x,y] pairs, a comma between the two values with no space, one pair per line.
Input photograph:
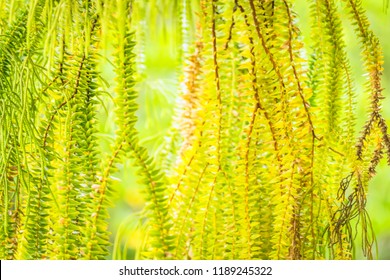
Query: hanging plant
[264,161]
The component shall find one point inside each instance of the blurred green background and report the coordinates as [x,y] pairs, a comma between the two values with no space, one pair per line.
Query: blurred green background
[158,86]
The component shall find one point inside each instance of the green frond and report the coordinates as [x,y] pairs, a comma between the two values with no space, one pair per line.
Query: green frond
[262,161]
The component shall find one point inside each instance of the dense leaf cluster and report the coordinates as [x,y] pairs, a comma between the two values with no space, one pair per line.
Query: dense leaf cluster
[264,162]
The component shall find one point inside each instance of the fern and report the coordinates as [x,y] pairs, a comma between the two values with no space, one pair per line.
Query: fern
[282,157]
[262,163]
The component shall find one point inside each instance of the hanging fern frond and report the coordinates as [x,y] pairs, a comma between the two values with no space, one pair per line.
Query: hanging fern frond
[263,161]
[127,143]
[369,146]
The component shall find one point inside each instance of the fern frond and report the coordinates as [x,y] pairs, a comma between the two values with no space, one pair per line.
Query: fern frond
[367,149]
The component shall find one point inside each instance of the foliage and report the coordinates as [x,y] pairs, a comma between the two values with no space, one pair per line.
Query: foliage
[262,163]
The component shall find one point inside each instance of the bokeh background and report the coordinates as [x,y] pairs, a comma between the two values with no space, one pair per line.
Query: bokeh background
[160,51]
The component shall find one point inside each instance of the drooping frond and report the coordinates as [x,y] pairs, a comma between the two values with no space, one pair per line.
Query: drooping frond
[370,145]
[268,130]
[262,162]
